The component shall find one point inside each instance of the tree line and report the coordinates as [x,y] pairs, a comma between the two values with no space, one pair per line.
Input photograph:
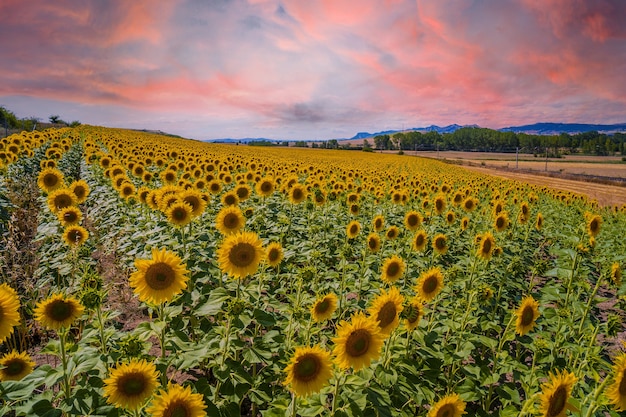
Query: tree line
[489,140]
[9,121]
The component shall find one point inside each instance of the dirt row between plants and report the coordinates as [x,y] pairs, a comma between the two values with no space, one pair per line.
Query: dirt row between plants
[606,195]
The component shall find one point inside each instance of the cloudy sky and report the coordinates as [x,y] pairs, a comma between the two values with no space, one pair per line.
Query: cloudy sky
[313,69]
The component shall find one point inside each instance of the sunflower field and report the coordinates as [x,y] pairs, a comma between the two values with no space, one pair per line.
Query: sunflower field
[148,275]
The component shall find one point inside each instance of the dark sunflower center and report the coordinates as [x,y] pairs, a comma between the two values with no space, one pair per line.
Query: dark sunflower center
[177,409]
[372,244]
[179,213]
[439,205]
[486,246]
[440,243]
[79,192]
[297,194]
[378,224]
[500,222]
[229,200]
[59,310]
[419,240]
[354,229]
[70,216]
[622,384]
[593,226]
[527,316]
[557,402]
[323,306]
[127,191]
[215,187]
[231,221]
[273,255]
[413,314]
[430,284]
[450,217]
[132,384]
[193,202]
[387,314]
[469,204]
[393,269]
[241,255]
[391,234]
[412,220]
[358,343]
[62,201]
[266,187]
[159,276]
[75,236]
[14,367]
[446,411]
[50,180]
[307,368]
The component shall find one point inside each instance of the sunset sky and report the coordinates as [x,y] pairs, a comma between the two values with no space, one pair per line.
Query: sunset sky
[308,69]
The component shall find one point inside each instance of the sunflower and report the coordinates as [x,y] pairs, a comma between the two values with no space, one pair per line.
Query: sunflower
[392,269]
[50,179]
[440,244]
[14,366]
[353,229]
[373,242]
[450,217]
[58,311]
[70,216]
[429,284]
[160,278]
[169,176]
[297,194]
[214,187]
[616,392]
[61,198]
[179,214]
[420,240]
[413,313]
[392,233]
[386,309]
[501,222]
[265,187]
[593,225]
[358,342]
[378,223]
[486,247]
[130,384]
[81,190]
[464,223]
[527,314]
[274,254]
[243,192]
[195,201]
[229,220]
[9,311]
[230,199]
[324,307]
[177,401]
[75,235]
[412,220]
[555,394]
[616,274]
[449,406]
[539,221]
[309,370]
[439,204]
[240,254]
[469,204]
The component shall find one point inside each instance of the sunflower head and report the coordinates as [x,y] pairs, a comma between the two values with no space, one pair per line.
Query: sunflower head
[392,269]
[593,225]
[378,223]
[373,242]
[386,309]
[486,246]
[439,204]
[358,342]
[265,187]
[70,216]
[501,222]
[179,213]
[160,278]
[539,221]
[527,315]
[324,307]
[240,254]
[616,392]
[353,229]
[413,313]
[195,201]
[449,406]
[229,220]
[413,220]
[61,198]
[420,240]
[9,311]
[429,284]
[15,365]
[392,233]
[616,274]
[274,254]
[464,223]
[177,401]
[297,193]
[555,394]
[75,235]
[50,179]
[440,244]
[469,204]
[309,370]
[230,199]
[58,311]
[450,217]
[81,190]
[129,385]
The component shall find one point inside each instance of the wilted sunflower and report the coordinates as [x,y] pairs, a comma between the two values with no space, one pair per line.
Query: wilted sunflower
[240,254]
[392,269]
[527,314]
[274,254]
[9,311]
[539,222]
[386,309]
[420,240]
[297,193]
[353,229]
[486,247]
[413,313]
[50,179]
[75,235]
[392,233]
[373,242]
[449,406]
[378,223]
[440,244]
[358,342]
[81,190]
[130,384]
[177,401]
[265,187]
[61,198]
[616,274]
[593,225]
[324,307]
[309,370]
[14,366]
[179,214]
[616,392]
[555,394]
[57,311]
[160,278]
[412,220]
[501,222]
[429,284]
[70,216]
[229,220]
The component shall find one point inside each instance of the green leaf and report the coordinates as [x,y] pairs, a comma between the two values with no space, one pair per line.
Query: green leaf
[214,303]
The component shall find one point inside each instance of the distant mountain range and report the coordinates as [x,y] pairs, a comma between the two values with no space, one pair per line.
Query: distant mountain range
[534,129]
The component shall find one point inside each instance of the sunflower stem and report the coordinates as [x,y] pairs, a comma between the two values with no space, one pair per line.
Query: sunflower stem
[292,408]
[594,402]
[64,361]
[103,345]
[588,306]
[161,314]
[335,395]
[487,404]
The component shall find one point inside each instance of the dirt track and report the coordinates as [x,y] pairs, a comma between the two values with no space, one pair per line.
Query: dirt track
[606,195]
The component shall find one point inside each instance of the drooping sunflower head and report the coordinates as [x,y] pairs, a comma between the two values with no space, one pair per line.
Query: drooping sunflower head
[129,385]
[486,246]
[274,254]
[14,366]
[240,254]
[413,313]
[70,216]
[81,190]
[429,284]
[50,179]
[160,278]
[593,225]
[413,220]
[555,394]
[449,406]
[392,269]
[440,244]
[539,221]
[420,240]
[616,392]
[9,311]
[373,242]
[309,370]
[177,401]
[61,198]
[58,311]
[324,307]
[501,222]
[353,229]
[378,223]
[386,309]
[527,315]
[392,233]
[358,342]
[75,235]
[229,220]
[616,274]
